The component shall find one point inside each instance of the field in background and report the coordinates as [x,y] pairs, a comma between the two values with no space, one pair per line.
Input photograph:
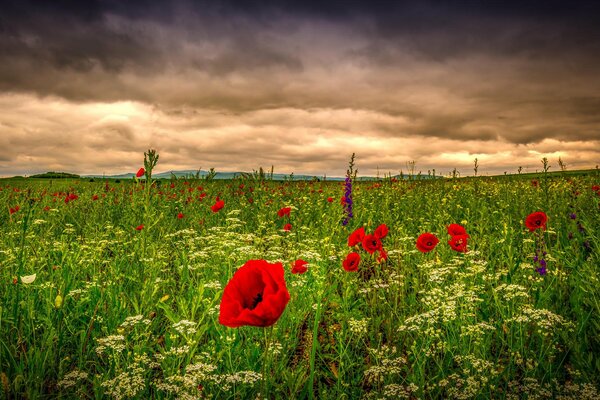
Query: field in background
[115,311]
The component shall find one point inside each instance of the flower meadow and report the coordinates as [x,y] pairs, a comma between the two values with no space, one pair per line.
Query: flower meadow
[469,288]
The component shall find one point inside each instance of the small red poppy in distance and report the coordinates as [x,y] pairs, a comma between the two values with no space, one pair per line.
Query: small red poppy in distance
[14,209]
[255,295]
[180,216]
[371,244]
[299,266]
[330,199]
[284,211]
[536,220]
[351,262]
[356,237]
[381,231]
[456,229]
[426,242]
[218,205]
[459,243]
[140,173]
[287,227]
[139,227]
[95,197]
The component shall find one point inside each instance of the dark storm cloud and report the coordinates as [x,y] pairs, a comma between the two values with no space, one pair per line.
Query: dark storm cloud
[297,84]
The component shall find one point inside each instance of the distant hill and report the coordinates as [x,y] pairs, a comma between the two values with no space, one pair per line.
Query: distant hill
[55,175]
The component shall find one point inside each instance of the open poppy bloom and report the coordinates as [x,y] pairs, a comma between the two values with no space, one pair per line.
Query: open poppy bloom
[140,173]
[536,220]
[351,262]
[299,266]
[381,231]
[371,243]
[426,242]
[459,243]
[139,227]
[256,295]
[356,237]
[456,229]
[218,205]
[287,227]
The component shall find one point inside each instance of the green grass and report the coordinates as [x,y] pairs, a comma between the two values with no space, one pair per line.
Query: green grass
[104,314]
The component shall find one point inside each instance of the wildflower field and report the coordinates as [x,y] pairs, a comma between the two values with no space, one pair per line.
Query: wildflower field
[453,288]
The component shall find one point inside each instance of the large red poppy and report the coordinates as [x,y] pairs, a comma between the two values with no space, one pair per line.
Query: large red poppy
[351,262]
[256,295]
[371,243]
[456,229]
[459,243]
[426,242]
[536,220]
[356,237]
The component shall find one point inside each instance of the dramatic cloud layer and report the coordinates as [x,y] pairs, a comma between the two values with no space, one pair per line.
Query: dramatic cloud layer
[300,86]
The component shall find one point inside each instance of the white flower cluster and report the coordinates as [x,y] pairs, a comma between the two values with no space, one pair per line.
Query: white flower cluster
[511,291]
[546,321]
[72,378]
[127,384]
[212,285]
[131,322]
[185,327]
[358,326]
[116,343]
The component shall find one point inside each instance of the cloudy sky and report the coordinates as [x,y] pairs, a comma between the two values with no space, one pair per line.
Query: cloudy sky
[86,87]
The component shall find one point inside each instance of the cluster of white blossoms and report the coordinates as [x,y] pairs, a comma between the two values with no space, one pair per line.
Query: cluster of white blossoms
[185,327]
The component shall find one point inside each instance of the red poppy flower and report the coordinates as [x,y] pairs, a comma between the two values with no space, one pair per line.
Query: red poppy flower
[381,231]
[371,243]
[456,229]
[95,197]
[426,242]
[140,172]
[217,206]
[596,188]
[356,237]
[383,255]
[536,220]
[330,199]
[459,243]
[180,216]
[139,227]
[287,227]
[256,295]
[284,211]
[14,209]
[351,262]
[299,267]
[47,208]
